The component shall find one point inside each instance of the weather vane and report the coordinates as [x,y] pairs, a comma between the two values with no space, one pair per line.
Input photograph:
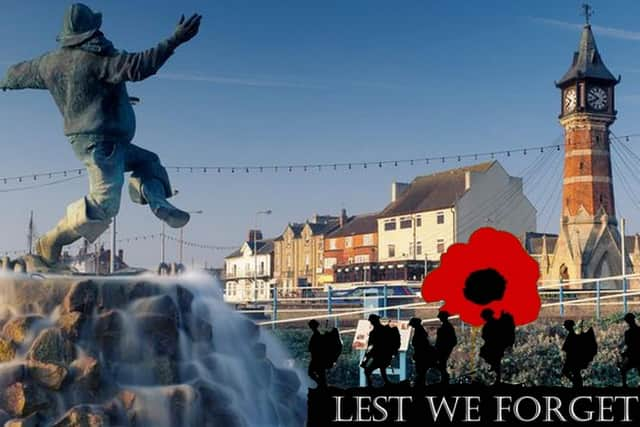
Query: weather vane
[588,12]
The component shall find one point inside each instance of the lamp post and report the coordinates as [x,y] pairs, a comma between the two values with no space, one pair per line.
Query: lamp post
[255,254]
[181,238]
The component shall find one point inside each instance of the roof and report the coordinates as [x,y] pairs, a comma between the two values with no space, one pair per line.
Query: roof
[263,247]
[432,192]
[587,62]
[359,224]
[324,227]
[533,242]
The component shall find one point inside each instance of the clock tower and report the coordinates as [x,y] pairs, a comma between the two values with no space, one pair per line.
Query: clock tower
[588,244]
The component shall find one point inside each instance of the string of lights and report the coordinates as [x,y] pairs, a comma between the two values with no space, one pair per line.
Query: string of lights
[132,239]
[319,167]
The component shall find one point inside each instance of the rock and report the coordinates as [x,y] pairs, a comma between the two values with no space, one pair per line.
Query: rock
[86,372]
[127,398]
[4,417]
[71,325]
[48,375]
[198,329]
[81,297]
[31,421]
[184,298]
[18,328]
[143,290]
[213,397]
[285,382]
[7,350]
[162,305]
[161,332]
[11,373]
[109,328]
[51,347]
[83,416]
[22,399]
[164,370]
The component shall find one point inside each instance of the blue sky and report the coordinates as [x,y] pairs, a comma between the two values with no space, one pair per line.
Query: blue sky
[278,82]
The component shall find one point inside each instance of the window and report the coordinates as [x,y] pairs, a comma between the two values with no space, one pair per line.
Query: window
[440,218]
[418,248]
[289,261]
[360,259]
[348,242]
[392,251]
[390,224]
[261,267]
[332,244]
[329,263]
[405,222]
[307,261]
[367,240]
[418,221]
[440,246]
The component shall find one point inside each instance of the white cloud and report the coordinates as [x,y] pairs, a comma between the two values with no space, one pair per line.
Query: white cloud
[616,33]
[236,81]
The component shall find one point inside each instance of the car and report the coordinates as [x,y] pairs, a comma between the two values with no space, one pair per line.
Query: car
[396,294]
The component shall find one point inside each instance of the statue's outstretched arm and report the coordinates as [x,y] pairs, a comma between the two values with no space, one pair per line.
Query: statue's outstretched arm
[24,75]
[138,66]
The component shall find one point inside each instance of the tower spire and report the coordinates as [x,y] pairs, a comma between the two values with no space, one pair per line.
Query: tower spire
[588,12]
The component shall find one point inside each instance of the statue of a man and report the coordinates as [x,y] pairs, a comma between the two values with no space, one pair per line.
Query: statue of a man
[87,79]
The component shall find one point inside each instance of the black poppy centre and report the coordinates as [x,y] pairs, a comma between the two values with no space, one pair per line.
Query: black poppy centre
[484,286]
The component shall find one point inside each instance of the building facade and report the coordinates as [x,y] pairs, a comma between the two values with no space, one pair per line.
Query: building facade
[435,211]
[248,271]
[356,242]
[299,252]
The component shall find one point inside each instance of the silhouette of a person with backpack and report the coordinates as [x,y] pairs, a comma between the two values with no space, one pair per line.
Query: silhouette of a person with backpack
[498,335]
[446,340]
[384,342]
[425,355]
[580,349]
[631,355]
[325,350]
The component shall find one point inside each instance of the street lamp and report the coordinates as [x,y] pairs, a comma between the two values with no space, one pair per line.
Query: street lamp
[255,254]
[181,238]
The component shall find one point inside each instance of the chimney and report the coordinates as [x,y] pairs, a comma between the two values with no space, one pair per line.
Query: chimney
[343,217]
[467,180]
[254,235]
[397,188]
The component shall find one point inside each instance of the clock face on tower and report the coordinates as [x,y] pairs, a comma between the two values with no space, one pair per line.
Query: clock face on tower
[570,100]
[597,98]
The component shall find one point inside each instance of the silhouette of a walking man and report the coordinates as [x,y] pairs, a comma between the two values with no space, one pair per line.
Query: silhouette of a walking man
[580,350]
[631,355]
[498,335]
[382,346]
[317,365]
[446,340]
[325,350]
[424,354]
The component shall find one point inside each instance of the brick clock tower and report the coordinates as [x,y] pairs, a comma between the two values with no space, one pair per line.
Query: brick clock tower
[588,244]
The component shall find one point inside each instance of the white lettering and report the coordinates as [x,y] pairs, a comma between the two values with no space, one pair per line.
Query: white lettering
[519,401]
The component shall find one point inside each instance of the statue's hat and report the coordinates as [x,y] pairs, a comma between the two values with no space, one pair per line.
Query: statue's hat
[79,25]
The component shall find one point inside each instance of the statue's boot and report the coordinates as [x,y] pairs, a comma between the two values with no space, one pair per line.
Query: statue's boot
[49,247]
[154,193]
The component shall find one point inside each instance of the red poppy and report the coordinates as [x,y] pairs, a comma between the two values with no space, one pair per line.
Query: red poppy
[492,271]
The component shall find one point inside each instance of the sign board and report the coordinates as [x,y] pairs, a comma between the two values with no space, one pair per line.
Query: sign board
[361,337]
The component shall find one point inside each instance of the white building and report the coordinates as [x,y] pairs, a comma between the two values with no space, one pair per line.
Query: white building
[248,274]
[434,211]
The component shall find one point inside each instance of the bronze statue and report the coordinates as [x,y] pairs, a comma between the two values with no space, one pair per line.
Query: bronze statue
[87,77]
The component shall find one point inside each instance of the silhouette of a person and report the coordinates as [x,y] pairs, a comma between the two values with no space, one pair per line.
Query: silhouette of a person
[631,355]
[572,349]
[424,354]
[317,365]
[498,336]
[446,340]
[378,355]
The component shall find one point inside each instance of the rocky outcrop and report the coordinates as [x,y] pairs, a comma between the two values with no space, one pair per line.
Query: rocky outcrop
[90,353]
